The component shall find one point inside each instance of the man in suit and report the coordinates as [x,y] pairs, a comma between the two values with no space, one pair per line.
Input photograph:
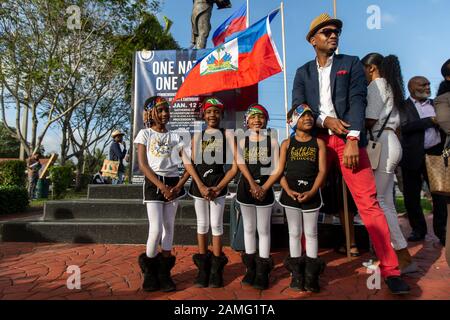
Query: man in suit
[420,136]
[335,87]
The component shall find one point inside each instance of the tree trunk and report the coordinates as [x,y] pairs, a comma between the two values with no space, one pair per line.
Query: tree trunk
[34,125]
[79,173]
[64,141]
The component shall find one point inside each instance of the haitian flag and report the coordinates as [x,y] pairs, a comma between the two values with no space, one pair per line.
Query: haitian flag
[235,23]
[247,58]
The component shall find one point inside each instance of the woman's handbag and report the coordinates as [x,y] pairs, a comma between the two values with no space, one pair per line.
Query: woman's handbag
[374,153]
[438,171]
[110,169]
[374,147]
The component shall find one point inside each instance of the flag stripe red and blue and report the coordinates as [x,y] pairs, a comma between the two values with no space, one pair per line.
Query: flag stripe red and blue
[247,58]
[235,23]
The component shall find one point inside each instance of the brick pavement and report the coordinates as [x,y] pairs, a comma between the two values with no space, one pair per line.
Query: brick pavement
[38,271]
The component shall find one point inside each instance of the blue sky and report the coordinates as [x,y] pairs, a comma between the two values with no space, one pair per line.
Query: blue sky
[415,30]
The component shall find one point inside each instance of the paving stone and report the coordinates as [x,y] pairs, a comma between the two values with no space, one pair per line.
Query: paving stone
[36,271]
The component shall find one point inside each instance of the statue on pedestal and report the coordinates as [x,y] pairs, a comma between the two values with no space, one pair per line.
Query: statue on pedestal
[200,19]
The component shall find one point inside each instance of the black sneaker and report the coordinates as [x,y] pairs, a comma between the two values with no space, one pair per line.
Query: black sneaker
[397,285]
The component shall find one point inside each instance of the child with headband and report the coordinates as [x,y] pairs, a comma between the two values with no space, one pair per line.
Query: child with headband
[159,155]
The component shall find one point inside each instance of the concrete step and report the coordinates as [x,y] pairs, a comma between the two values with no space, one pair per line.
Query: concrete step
[108,191]
[135,231]
[107,209]
[113,231]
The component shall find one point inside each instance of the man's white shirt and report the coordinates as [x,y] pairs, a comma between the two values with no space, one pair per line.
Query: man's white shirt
[326,107]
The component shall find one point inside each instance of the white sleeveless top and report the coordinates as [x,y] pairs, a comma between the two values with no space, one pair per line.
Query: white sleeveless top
[380,101]
[163,150]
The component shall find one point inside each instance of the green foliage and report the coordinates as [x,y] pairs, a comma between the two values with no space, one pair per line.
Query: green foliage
[9,145]
[148,35]
[85,179]
[425,204]
[67,163]
[61,178]
[13,199]
[94,162]
[12,173]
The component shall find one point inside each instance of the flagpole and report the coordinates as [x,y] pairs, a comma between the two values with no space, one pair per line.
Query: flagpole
[248,13]
[335,16]
[283,33]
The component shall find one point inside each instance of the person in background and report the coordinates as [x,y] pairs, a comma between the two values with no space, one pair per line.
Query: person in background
[98,178]
[442,105]
[385,94]
[420,135]
[442,101]
[34,166]
[117,152]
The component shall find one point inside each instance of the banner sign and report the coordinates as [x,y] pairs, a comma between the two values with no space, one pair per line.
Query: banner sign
[161,73]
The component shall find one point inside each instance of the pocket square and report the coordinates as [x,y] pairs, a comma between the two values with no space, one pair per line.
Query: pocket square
[342,72]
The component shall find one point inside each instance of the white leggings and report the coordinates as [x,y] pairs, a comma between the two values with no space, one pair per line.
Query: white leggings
[391,154]
[161,220]
[295,217]
[203,210]
[256,218]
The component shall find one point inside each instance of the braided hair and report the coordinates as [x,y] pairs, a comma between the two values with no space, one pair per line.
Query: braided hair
[150,114]
[391,71]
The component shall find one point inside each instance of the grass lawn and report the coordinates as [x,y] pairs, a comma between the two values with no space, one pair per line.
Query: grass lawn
[400,205]
[71,195]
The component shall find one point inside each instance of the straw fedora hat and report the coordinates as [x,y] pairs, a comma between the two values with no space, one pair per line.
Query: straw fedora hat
[321,21]
[117,133]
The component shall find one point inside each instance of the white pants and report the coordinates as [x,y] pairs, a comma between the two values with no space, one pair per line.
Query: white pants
[391,154]
[256,218]
[294,218]
[161,220]
[207,211]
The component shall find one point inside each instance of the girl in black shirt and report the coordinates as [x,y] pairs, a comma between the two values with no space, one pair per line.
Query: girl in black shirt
[257,156]
[209,189]
[303,160]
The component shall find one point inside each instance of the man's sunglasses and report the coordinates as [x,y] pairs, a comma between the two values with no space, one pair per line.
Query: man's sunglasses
[328,32]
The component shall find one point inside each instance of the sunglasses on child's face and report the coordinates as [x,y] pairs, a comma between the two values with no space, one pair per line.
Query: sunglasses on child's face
[329,31]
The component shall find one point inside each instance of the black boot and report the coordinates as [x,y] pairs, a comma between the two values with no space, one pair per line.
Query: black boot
[313,268]
[263,268]
[296,267]
[149,268]
[397,285]
[203,263]
[216,275]
[165,280]
[250,264]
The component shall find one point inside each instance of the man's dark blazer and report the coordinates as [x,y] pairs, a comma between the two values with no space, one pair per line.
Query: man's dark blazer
[413,136]
[116,154]
[348,90]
